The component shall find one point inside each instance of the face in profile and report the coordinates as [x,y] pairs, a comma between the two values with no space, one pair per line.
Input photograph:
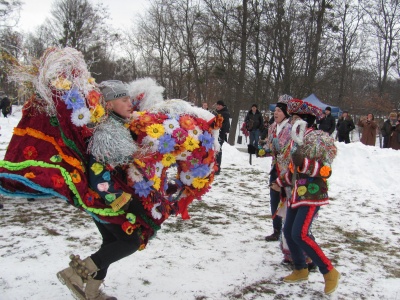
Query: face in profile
[121,106]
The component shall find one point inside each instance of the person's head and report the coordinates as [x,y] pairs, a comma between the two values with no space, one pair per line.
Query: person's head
[220,104]
[393,115]
[328,110]
[280,112]
[304,110]
[254,108]
[116,96]
[370,117]
[204,105]
[345,113]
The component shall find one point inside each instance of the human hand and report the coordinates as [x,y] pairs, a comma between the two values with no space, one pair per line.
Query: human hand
[274,186]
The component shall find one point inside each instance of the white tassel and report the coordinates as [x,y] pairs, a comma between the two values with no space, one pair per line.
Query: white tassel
[300,127]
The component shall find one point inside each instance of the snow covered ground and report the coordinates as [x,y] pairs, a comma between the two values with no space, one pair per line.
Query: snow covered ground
[220,253]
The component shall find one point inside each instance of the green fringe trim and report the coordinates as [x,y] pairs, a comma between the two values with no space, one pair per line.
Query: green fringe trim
[107,212]
[70,143]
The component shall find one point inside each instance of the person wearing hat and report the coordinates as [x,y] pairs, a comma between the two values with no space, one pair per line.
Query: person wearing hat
[278,140]
[327,122]
[111,145]
[222,110]
[254,124]
[5,106]
[344,126]
[309,156]
[388,127]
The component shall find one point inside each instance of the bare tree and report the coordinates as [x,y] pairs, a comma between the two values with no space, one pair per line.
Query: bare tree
[9,13]
[384,25]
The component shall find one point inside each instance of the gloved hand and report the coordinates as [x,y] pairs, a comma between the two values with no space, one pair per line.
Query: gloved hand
[297,157]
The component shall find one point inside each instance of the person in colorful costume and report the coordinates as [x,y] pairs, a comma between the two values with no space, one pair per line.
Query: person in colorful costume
[278,141]
[80,144]
[310,154]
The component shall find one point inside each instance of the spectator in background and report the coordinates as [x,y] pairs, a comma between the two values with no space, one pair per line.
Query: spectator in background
[204,105]
[327,122]
[387,127]
[369,126]
[264,130]
[254,123]
[223,132]
[344,126]
[394,138]
[5,106]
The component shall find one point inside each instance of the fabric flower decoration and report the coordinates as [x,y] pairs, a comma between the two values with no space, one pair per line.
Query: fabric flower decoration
[147,203]
[200,170]
[61,83]
[134,174]
[167,144]
[199,183]
[80,116]
[143,188]
[155,130]
[203,124]
[170,125]
[207,140]
[58,181]
[313,188]
[193,160]
[106,176]
[97,113]
[158,168]
[30,152]
[218,122]
[131,218]
[155,213]
[150,143]
[325,171]
[168,159]
[93,98]
[97,168]
[76,177]
[191,143]
[186,178]
[29,175]
[73,99]
[183,155]
[157,182]
[187,122]
[199,153]
[103,186]
[301,190]
[149,170]
[179,135]
[195,132]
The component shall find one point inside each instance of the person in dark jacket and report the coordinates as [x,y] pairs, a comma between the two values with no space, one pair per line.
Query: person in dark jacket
[223,132]
[344,126]
[388,127]
[254,124]
[327,122]
[5,106]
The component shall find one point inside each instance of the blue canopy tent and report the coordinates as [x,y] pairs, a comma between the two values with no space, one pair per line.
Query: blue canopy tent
[315,101]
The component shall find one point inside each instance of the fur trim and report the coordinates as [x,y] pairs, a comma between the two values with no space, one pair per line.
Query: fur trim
[112,143]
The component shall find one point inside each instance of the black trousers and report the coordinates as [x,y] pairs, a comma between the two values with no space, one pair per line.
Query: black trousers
[116,245]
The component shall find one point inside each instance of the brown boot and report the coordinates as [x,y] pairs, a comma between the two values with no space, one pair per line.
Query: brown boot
[273,237]
[93,291]
[297,275]
[76,274]
[73,282]
[331,281]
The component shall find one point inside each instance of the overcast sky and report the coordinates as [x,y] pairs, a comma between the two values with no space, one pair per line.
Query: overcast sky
[34,12]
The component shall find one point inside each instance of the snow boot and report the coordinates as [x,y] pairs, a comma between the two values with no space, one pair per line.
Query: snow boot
[273,237]
[78,272]
[73,281]
[297,275]
[93,291]
[331,281]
